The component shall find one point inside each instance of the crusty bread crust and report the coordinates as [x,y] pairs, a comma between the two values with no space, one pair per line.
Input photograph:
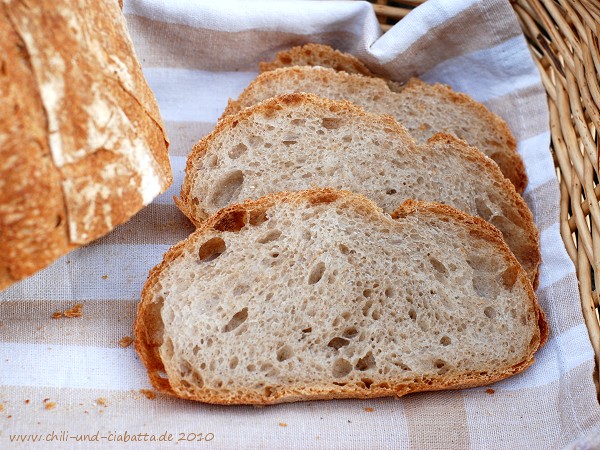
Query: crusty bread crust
[83,144]
[499,143]
[193,207]
[148,326]
[316,55]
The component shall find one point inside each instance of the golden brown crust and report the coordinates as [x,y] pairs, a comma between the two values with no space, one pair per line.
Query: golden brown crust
[316,55]
[74,164]
[147,347]
[193,210]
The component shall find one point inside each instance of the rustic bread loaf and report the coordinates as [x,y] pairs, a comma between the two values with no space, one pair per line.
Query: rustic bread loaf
[319,295]
[424,109]
[82,144]
[298,141]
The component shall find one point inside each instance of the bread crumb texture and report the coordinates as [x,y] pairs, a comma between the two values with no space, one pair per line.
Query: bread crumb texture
[150,395]
[125,341]
[319,294]
[298,141]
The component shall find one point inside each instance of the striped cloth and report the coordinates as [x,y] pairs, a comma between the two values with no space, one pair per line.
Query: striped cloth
[63,379]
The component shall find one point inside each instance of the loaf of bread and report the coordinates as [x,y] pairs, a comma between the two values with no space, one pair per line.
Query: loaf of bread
[299,141]
[424,109]
[319,295]
[82,143]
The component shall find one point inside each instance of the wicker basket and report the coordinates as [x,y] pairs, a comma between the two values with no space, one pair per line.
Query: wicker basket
[563,37]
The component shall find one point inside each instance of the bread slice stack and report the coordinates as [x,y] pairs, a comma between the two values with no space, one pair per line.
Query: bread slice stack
[341,254]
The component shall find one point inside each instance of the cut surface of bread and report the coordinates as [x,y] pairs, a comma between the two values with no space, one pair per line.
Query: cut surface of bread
[299,141]
[319,294]
[424,109]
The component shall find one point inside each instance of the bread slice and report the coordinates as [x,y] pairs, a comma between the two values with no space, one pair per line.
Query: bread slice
[424,109]
[320,295]
[298,141]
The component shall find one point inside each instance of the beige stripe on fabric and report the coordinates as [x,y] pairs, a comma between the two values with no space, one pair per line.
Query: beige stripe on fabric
[579,415]
[513,418]
[450,43]
[103,323]
[536,198]
[162,44]
[433,414]
[522,100]
[561,293]
[157,223]
[184,135]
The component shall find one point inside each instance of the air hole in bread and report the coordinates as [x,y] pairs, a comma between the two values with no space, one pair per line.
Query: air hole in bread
[307,330]
[441,366]
[331,123]
[509,277]
[389,292]
[233,220]
[265,366]
[236,151]
[412,313]
[489,312]
[339,384]
[483,210]
[212,249]
[240,289]
[271,236]
[367,362]
[376,314]
[367,382]
[366,308]
[445,341]
[341,368]
[233,362]
[269,391]
[289,143]
[285,352]
[484,287]
[211,161]
[338,342]
[257,217]
[316,273]
[347,139]
[391,191]
[350,332]
[237,319]
[298,122]
[402,366]
[344,249]
[227,188]
[439,267]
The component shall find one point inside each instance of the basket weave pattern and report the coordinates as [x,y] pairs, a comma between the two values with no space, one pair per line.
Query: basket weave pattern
[563,37]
